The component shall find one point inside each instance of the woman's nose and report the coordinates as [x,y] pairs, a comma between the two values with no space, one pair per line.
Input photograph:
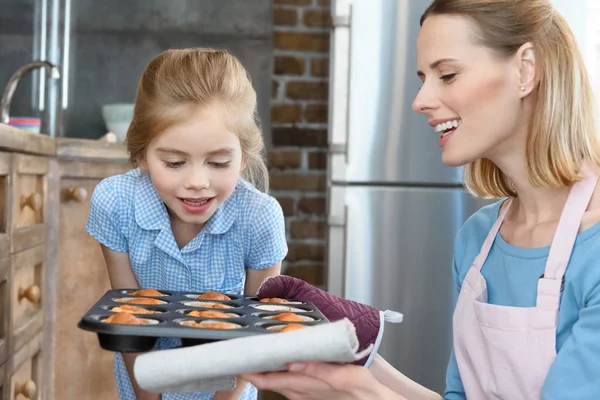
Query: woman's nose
[424,101]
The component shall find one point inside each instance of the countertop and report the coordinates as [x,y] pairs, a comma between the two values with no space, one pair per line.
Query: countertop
[69,148]
[19,140]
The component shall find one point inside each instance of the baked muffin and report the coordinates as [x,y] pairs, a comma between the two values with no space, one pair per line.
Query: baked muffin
[286,328]
[142,300]
[288,317]
[213,296]
[292,327]
[132,310]
[209,314]
[125,318]
[274,300]
[215,305]
[146,292]
[210,325]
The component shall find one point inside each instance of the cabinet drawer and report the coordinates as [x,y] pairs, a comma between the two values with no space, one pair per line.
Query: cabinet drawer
[26,298]
[25,372]
[28,201]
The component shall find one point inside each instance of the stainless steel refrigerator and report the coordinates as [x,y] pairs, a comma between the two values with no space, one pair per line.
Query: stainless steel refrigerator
[393,207]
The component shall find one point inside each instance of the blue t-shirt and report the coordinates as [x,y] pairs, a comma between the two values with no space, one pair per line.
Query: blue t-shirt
[512,274]
[246,231]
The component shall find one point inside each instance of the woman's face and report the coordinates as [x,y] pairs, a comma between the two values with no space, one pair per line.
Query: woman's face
[471,96]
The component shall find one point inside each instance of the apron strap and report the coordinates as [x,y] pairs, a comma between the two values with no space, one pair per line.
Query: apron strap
[489,240]
[549,286]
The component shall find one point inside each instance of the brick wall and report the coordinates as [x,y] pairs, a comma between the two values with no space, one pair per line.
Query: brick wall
[299,127]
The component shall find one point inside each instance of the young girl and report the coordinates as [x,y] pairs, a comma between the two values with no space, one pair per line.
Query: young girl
[507,94]
[193,216]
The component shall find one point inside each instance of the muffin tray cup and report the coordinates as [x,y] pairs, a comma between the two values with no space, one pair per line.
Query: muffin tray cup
[175,309]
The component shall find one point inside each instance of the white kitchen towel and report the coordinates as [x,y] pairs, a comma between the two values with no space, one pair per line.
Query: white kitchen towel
[213,366]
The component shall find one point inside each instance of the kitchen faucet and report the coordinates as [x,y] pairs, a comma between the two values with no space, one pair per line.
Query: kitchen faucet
[9,90]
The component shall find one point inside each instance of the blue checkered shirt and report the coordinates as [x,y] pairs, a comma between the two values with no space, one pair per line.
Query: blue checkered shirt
[246,231]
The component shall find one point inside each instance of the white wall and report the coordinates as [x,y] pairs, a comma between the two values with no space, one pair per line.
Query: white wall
[583,16]
[575,12]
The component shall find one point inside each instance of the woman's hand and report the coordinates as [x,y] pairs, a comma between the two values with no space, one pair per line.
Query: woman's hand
[318,381]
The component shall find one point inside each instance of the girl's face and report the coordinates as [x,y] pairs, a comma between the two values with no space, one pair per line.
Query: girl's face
[471,97]
[195,164]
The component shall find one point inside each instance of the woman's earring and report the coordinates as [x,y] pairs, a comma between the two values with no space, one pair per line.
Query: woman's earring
[522,88]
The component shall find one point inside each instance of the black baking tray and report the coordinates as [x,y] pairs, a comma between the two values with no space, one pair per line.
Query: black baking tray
[141,338]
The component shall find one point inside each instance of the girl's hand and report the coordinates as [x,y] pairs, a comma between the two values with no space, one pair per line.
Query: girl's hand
[317,381]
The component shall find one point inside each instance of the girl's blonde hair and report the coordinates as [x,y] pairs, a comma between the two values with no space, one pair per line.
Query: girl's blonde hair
[562,131]
[198,77]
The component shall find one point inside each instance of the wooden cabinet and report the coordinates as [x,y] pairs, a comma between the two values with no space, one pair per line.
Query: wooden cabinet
[51,270]
[5,283]
[83,370]
[4,383]
[5,202]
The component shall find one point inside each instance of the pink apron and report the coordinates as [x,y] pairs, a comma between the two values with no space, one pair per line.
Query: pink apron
[506,352]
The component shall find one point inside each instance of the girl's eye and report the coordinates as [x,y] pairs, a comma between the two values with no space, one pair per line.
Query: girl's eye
[219,164]
[175,164]
[447,78]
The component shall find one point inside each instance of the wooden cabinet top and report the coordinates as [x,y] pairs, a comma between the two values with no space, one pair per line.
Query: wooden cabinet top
[19,140]
[68,148]
[13,139]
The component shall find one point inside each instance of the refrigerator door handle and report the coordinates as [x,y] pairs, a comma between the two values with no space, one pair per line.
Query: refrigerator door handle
[339,85]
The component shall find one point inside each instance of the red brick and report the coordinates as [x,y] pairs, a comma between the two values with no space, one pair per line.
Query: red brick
[289,65]
[312,274]
[317,18]
[306,252]
[319,67]
[316,113]
[285,159]
[294,2]
[285,113]
[312,205]
[307,90]
[285,17]
[325,3]
[296,181]
[317,160]
[308,229]
[301,41]
[299,137]
[287,205]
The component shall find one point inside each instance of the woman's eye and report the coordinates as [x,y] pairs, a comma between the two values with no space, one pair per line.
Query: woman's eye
[448,77]
[219,164]
[175,164]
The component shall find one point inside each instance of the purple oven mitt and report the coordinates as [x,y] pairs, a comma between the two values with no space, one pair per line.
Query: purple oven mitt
[368,321]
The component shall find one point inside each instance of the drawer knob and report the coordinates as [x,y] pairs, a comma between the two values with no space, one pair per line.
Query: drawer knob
[77,194]
[32,293]
[34,201]
[27,389]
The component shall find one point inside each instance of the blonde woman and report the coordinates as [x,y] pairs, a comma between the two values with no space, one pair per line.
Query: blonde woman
[194,215]
[507,94]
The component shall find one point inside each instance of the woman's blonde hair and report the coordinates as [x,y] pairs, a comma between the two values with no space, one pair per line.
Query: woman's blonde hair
[562,132]
[198,77]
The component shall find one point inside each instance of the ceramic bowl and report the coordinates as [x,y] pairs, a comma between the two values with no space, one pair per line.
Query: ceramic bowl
[117,118]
